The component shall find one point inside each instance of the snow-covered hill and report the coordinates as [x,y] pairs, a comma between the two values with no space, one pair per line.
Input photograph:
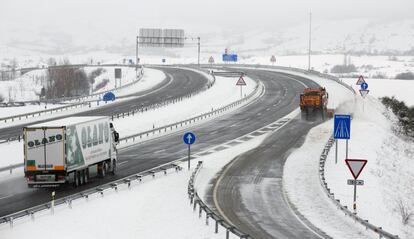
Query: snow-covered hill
[362,36]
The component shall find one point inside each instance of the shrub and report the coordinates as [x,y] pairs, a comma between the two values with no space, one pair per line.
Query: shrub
[101,84]
[404,114]
[405,76]
[343,68]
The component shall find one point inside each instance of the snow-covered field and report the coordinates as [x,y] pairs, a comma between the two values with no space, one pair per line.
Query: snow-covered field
[400,89]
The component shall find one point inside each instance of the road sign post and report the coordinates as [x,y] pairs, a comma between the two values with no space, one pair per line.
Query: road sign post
[273,60]
[336,151]
[189,139]
[355,166]
[241,83]
[342,130]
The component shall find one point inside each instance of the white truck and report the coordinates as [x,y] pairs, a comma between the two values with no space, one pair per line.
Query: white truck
[69,150]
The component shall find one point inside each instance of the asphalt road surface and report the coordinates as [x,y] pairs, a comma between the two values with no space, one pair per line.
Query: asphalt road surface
[184,82]
[250,193]
[280,98]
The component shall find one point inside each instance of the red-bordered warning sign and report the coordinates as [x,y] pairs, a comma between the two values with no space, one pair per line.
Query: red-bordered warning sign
[356,166]
[364,93]
[241,81]
[360,80]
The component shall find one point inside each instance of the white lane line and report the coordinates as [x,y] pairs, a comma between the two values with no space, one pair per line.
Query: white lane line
[123,162]
[8,196]
[159,151]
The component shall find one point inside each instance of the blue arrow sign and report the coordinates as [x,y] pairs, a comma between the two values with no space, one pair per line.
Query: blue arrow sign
[109,96]
[342,127]
[189,138]
[364,86]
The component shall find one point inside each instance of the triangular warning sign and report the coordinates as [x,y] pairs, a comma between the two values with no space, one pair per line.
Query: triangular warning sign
[356,166]
[360,80]
[364,93]
[241,81]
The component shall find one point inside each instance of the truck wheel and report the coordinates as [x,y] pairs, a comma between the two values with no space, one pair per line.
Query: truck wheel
[76,178]
[102,169]
[82,177]
[113,167]
[86,175]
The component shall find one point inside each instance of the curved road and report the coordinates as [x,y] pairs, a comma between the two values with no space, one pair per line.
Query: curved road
[180,82]
[279,99]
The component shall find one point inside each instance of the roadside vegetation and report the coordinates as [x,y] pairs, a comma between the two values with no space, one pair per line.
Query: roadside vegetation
[404,114]
[66,82]
[405,76]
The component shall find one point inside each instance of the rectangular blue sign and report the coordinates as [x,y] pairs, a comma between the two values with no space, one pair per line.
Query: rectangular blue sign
[230,57]
[342,127]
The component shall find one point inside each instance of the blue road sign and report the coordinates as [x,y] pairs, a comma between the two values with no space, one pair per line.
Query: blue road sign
[109,96]
[342,127]
[230,57]
[189,138]
[364,86]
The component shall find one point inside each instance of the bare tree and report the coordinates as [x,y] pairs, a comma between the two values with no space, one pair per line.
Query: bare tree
[405,211]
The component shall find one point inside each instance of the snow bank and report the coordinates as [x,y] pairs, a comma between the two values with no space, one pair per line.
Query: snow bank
[388,174]
[142,212]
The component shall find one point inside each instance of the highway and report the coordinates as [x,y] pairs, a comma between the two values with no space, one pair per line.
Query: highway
[179,83]
[250,191]
[279,99]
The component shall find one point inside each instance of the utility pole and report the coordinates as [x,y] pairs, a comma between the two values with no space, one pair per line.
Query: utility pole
[310,41]
[136,58]
[198,38]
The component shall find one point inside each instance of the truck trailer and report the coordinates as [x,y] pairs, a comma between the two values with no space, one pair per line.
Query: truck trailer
[67,150]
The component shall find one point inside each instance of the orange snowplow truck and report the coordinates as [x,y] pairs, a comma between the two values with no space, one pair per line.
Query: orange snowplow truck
[313,101]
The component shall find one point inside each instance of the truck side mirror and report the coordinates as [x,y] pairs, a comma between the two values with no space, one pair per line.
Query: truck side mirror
[116,136]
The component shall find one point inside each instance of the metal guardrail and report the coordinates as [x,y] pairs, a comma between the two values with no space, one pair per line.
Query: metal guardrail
[70,106]
[196,200]
[86,193]
[327,190]
[193,119]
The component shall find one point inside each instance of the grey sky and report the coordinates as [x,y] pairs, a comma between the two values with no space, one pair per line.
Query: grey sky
[129,15]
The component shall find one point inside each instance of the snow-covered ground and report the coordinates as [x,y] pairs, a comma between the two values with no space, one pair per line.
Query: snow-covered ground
[150,79]
[388,174]
[126,214]
[24,88]
[141,212]
[400,89]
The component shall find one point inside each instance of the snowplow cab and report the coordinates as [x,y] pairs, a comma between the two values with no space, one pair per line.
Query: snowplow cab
[313,100]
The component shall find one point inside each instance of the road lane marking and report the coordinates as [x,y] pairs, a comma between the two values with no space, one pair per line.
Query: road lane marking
[8,196]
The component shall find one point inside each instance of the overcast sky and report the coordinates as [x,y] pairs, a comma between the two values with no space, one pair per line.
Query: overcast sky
[128,15]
